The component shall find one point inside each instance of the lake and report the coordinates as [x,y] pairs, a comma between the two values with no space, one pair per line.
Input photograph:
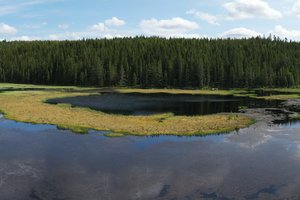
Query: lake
[41,162]
[179,104]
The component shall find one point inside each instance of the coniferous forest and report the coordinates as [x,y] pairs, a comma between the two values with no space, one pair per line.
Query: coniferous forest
[153,62]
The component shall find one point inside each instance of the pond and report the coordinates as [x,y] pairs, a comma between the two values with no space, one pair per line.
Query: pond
[42,162]
[145,104]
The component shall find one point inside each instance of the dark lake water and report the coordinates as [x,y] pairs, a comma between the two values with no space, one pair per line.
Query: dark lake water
[145,104]
[41,162]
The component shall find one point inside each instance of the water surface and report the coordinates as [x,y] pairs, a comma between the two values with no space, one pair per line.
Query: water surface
[41,162]
[145,104]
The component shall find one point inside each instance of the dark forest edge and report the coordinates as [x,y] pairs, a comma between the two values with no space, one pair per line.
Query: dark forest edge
[153,62]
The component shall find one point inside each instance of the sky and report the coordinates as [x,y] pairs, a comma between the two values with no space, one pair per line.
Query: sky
[77,19]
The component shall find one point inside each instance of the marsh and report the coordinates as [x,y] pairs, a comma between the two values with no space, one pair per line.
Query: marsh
[43,162]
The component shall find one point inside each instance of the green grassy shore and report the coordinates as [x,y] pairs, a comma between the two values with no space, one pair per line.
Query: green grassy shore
[29,106]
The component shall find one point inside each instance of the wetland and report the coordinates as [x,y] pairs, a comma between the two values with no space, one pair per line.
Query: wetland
[40,161]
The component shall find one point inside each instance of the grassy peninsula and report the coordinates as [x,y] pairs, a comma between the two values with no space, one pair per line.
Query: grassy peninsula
[29,106]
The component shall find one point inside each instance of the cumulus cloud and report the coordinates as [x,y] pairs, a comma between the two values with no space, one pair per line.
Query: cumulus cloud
[209,18]
[245,9]
[101,27]
[88,34]
[282,32]
[239,33]
[7,30]
[167,27]
[105,26]
[114,22]
[296,8]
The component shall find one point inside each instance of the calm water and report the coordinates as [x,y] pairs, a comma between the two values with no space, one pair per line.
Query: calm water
[41,162]
[139,104]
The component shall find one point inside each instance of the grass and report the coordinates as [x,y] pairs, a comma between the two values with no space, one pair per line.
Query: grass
[30,106]
[290,90]
[12,86]
[114,135]
[280,97]
[294,92]
[181,91]
[287,93]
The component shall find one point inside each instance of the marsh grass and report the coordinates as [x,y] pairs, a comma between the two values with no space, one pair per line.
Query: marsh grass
[289,90]
[30,106]
[73,128]
[296,117]
[114,135]
[280,97]
[182,91]
[13,86]
[294,92]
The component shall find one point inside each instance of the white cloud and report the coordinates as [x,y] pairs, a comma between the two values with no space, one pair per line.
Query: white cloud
[88,34]
[281,32]
[99,30]
[70,36]
[239,33]
[187,35]
[245,9]
[114,22]
[101,27]
[105,26]
[296,8]
[169,27]
[7,30]
[211,19]
[8,7]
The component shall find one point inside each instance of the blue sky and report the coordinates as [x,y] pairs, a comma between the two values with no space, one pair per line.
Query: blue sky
[75,19]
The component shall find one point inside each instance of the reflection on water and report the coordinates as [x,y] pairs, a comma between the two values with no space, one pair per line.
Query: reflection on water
[290,124]
[145,104]
[41,162]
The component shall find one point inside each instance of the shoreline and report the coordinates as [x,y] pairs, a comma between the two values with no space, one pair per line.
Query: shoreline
[30,106]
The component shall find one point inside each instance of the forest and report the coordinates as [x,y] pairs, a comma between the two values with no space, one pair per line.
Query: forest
[153,62]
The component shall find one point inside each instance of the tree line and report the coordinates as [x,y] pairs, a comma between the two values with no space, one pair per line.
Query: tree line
[153,62]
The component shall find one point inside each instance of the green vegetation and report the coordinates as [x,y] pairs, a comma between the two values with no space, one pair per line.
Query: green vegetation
[153,62]
[114,135]
[287,93]
[235,92]
[14,86]
[30,106]
[280,97]
[289,90]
